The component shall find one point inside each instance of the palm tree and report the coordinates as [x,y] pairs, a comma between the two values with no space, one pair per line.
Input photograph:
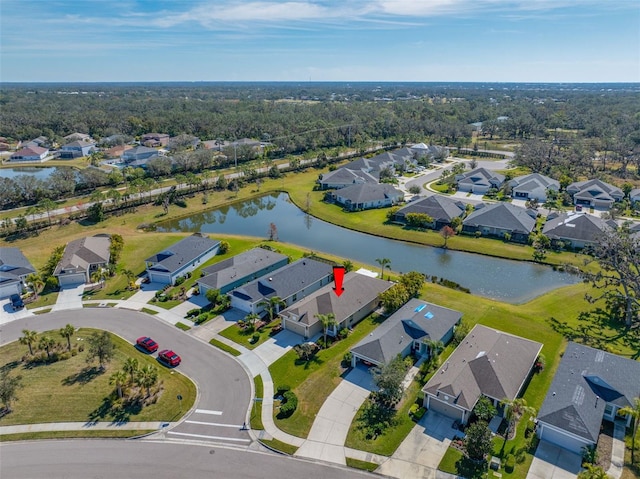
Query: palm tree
[327,321]
[384,263]
[435,348]
[47,204]
[29,337]
[118,378]
[591,471]
[147,377]
[131,367]
[67,332]
[34,280]
[46,343]
[513,411]
[251,319]
[97,277]
[348,266]
[272,305]
[634,412]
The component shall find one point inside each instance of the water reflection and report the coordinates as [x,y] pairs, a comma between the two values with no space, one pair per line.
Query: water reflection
[510,281]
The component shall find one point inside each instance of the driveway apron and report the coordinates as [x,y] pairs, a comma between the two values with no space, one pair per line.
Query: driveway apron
[553,462]
[69,297]
[329,431]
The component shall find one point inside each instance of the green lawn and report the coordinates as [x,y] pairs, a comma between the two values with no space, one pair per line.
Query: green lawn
[364,465]
[30,436]
[244,336]
[224,347]
[72,390]
[314,380]
[279,446]
[256,408]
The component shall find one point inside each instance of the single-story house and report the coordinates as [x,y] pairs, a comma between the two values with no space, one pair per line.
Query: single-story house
[41,141]
[181,258]
[634,196]
[594,193]
[78,137]
[240,269]
[578,229]
[358,300]
[589,385]
[487,363]
[367,170]
[81,258]
[116,151]
[77,149]
[30,153]
[533,187]
[367,196]
[405,331]
[441,208]
[479,181]
[14,268]
[138,153]
[498,219]
[290,283]
[429,151]
[154,139]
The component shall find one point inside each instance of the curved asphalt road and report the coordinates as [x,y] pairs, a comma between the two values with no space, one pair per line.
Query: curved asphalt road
[101,459]
[224,388]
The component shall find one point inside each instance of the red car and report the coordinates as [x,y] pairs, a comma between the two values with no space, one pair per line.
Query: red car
[169,357]
[147,344]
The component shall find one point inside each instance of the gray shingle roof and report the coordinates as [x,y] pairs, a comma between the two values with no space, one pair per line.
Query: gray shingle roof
[417,320]
[595,189]
[504,216]
[480,176]
[368,192]
[347,176]
[439,207]
[13,265]
[487,362]
[533,181]
[242,265]
[578,226]
[585,381]
[284,281]
[80,254]
[359,290]
[184,251]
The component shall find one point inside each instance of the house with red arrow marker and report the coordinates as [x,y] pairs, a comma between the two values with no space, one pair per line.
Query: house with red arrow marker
[358,299]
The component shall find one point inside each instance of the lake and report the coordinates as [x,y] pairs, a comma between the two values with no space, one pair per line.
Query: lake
[40,173]
[501,279]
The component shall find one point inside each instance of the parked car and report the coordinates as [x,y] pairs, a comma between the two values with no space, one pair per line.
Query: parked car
[148,344]
[169,357]
[16,302]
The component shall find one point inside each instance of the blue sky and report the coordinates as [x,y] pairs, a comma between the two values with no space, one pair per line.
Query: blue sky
[320,40]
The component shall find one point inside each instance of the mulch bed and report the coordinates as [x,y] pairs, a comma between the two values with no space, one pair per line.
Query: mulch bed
[605,445]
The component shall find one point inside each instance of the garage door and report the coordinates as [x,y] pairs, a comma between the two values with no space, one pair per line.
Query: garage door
[159,278]
[71,279]
[9,289]
[446,409]
[560,439]
[294,327]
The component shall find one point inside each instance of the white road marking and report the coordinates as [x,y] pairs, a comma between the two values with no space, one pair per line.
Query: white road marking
[209,411]
[209,437]
[213,424]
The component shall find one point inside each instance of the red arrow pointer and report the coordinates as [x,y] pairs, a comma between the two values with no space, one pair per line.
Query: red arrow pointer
[338,278]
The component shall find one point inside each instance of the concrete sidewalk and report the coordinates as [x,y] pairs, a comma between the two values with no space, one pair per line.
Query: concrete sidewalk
[617,451]
[422,450]
[331,426]
[84,426]
[69,297]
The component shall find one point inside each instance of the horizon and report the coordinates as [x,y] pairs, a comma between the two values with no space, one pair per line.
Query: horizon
[320,41]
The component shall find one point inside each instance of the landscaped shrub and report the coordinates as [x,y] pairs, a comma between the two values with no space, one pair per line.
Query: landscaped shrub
[289,404]
[180,280]
[283,389]
[201,318]
[193,312]
[343,333]
[510,463]
[346,359]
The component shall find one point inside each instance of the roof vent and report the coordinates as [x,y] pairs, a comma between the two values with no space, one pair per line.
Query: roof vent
[270,279]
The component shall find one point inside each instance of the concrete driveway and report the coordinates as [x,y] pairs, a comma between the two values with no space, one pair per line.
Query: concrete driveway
[69,297]
[329,431]
[277,346]
[553,462]
[143,296]
[7,314]
[422,450]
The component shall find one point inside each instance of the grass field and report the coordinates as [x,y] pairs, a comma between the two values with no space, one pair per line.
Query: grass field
[72,390]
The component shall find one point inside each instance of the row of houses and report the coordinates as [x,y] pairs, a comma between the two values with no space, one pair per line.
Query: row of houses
[593,193]
[576,229]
